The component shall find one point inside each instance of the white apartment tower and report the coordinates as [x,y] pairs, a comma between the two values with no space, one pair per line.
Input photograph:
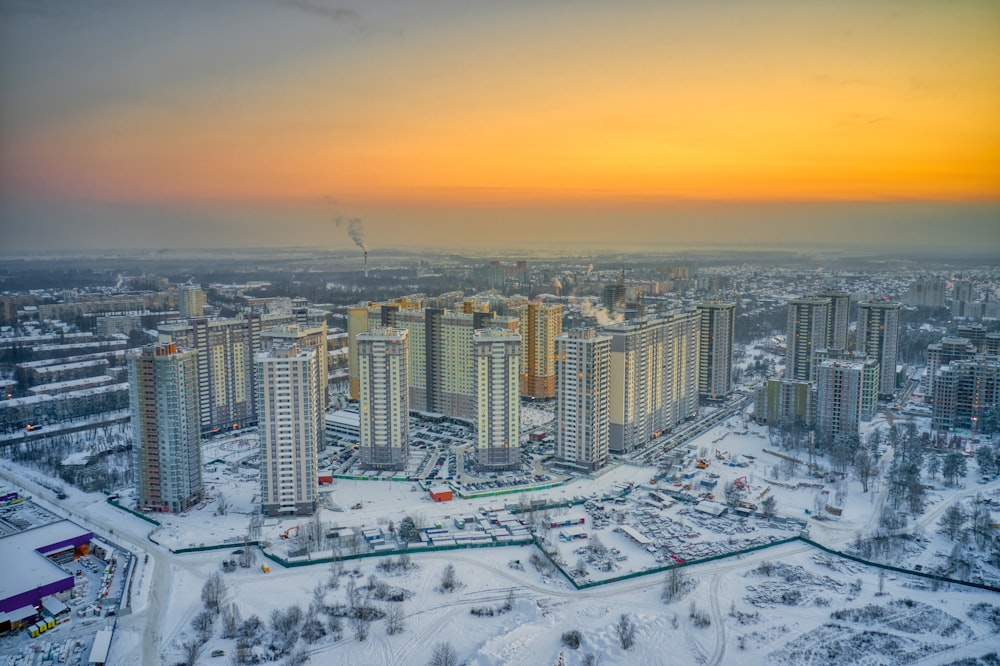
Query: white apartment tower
[291,429]
[878,337]
[583,391]
[384,398]
[839,318]
[166,437]
[715,361]
[498,415]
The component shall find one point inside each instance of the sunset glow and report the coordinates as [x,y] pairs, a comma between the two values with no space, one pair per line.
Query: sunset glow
[547,104]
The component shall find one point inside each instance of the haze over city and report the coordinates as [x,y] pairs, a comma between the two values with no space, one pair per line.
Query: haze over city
[487,125]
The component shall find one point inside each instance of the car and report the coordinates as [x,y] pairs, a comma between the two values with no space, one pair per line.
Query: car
[218,653]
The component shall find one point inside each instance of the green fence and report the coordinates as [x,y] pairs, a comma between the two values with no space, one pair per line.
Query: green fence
[115,504]
[389,553]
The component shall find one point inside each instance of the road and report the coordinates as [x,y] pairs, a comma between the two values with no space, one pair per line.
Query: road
[151,615]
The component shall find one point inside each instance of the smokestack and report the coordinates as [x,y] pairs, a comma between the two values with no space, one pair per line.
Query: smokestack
[366,264]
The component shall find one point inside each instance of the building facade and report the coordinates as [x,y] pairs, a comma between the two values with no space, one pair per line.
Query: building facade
[715,356]
[384,398]
[498,414]
[839,318]
[166,434]
[654,377]
[878,337]
[808,324]
[190,300]
[839,391]
[963,391]
[289,402]
[583,394]
[303,337]
[538,326]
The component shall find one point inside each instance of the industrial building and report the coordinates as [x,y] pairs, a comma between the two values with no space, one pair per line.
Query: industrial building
[31,570]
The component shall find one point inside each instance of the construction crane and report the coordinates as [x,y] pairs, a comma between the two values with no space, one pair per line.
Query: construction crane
[742,484]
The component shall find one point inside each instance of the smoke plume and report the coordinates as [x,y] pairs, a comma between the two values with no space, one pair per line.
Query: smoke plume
[356,231]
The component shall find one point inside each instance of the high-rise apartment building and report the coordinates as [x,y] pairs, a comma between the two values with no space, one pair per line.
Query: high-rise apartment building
[926,292]
[878,337]
[539,325]
[583,394]
[944,352]
[362,319]
[166,438]
[190,300]
[808,322]
[497,354]
[715,340]
[654,377]
[839,318]
[290,406]
[226,348]
[785,401]
[839,392]
[303,337]
[963,391]
[384,398]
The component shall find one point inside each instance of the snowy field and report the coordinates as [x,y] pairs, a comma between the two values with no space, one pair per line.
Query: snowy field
[789,604]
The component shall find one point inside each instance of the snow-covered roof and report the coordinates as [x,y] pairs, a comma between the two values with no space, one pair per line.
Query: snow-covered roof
[24,569]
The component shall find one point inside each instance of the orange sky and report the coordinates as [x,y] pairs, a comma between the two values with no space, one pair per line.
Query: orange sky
[429,104]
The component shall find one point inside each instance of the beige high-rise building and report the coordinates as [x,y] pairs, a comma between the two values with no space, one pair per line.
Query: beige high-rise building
[291,429]
[539,325]
[297,335]
[166,438]
[654,377]
[364,318]
[190,300]
[583,393]
[497,355]
[384,398]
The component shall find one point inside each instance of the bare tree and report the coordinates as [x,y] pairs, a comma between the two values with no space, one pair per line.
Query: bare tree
[203,624]
[591,659]
[361,626]
[768,507]
[443,655]
[192,650]
[297,658]
[448,580]
[673,584]
[395,619]
[230,620]
[213,593]
[625,631]
[222,505]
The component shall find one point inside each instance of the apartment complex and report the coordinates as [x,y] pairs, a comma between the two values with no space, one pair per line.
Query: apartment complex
[838,319]
[166,439]
[839,397]
[963,391]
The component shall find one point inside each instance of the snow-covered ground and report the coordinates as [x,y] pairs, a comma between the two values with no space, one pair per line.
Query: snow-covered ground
[809,608]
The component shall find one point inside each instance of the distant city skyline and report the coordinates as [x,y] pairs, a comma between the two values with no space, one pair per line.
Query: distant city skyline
[477,125]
